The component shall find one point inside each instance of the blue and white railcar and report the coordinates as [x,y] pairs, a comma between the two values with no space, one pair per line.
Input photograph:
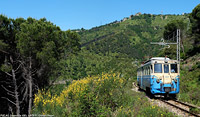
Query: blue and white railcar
[159,75]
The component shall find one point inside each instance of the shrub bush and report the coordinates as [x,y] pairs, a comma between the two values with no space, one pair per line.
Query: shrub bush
[91,96]
[102,95]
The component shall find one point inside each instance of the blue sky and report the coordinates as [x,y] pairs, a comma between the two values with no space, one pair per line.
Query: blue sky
[76,14]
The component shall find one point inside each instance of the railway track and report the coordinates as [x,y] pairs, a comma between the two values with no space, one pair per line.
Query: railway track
[175,106]
[181,106]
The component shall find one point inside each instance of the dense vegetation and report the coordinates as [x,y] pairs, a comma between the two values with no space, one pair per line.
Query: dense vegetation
[30,51]
[98,76]
[102,95]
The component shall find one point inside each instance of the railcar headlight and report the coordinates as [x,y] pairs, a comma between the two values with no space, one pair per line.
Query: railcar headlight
[158,80]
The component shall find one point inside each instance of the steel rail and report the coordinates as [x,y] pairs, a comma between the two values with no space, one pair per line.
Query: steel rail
[196,115]
[186,104]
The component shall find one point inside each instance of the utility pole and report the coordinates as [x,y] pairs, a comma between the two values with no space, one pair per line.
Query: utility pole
[178,45]
[178,38]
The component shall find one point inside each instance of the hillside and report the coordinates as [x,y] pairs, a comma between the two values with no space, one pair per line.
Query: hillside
[132,36]
[119,46]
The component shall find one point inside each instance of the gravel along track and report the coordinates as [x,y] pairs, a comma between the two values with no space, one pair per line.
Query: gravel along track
[174,106]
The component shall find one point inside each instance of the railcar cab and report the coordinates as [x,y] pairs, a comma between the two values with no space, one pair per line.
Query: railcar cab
[160,75]
[166,73]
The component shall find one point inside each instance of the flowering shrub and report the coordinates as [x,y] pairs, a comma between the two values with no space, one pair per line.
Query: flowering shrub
[89,96]
[102,95]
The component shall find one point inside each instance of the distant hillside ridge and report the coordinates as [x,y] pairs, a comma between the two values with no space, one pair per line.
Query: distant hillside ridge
[132,35]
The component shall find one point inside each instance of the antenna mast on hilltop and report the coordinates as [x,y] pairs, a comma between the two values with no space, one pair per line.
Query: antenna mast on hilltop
[178,38]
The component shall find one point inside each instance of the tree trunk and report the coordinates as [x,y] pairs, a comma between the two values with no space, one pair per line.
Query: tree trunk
[16,93]
[30,82]
[30,94]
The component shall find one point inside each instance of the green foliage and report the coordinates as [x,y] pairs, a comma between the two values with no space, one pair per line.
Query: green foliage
[169,52]
[46,43]
[89,63]
[5,68]
[195,19]
[172,26]
[190,81]
[39,39]
[2,45]
[169,35]
[195,30]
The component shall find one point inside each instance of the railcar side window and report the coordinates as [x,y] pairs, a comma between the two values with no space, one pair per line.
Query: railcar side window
[157,68]
[174,68]
[166,68]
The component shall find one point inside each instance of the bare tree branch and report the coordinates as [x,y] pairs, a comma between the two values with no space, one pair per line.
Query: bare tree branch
[11,59]
[36,86]
[22,90]
[26,92]
[7,89]
[8,74]
[4,52]
[20,85]
[5,82]
[11,94]
[10,109]
[18,68]
[34,71]
[9,100]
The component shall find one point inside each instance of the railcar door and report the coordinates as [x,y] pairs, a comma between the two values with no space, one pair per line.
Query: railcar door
[166,76]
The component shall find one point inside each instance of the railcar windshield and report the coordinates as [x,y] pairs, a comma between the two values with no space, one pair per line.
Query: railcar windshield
[157,68]
[174,68]
[166,68]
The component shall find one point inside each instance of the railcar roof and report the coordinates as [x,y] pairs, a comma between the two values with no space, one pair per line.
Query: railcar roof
[159,58]
[156,59]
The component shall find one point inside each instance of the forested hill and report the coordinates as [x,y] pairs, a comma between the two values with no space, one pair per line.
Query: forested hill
[131,36]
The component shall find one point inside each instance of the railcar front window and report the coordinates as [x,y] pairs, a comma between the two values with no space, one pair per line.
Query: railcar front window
[166,68]
[174,68]
[157,68]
